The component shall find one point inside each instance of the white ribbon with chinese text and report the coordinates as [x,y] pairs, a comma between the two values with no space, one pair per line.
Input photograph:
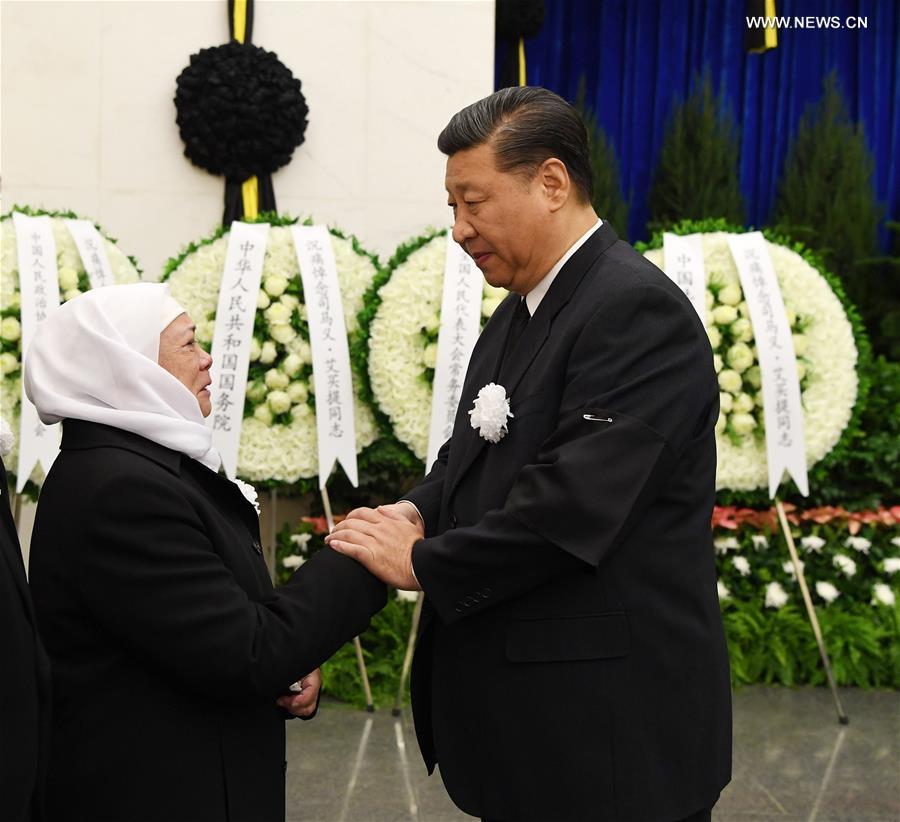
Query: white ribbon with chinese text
[460,326]
[39,297]
[683,261]
[335,420]
[92,251]
[785,444]
[231,339]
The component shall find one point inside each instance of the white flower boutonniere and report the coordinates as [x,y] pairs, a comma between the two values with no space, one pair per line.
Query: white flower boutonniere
[490,412]
[249,493]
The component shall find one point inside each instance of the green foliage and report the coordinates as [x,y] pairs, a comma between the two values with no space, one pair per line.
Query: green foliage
[827,199]
[607,199]
[384,646]
[697,174]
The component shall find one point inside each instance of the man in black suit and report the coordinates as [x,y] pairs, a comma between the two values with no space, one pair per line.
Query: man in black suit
[24,684]
[571,662]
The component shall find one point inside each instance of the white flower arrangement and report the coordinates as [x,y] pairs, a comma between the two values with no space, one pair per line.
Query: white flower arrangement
[73,280]
[823,343]
[722,590]
[892,565]
[490,413]
[278,435]
[403,339]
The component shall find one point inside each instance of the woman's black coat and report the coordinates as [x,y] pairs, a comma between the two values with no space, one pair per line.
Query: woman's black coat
[167,641]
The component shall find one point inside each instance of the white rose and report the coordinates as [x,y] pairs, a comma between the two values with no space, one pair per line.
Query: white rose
[715,336]
[10,329]
[292,364]
[276,380]
[776,596]
[754,376]
[262,300]
[895,541]
[726,402]
[800,344]
[730,381]
[724,314]
[883,595]
[298,392]
[744,309]
[801,369]
[717,363]
[433,323]
[813,544]
[256,391]
[301,410]
[730,295]
[275,285]
[68,278]
[279,402]
[722,591]
[742,423]
[742,329]
[268,353]
[721,422]
[844,564]
[263,413]
[827,591]
[892,565]
[741,565]
[760,543]
[429,355]
[278,313]
[71,294]
[791,316]
[8,363]
[710,300]
[740,357]
[290,301]
[255,349]
[293,561]
[282,333]
[489,306]
[743,404]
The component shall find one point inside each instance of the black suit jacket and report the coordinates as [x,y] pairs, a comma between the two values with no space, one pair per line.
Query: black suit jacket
[168,643]
[24,682]
[571,663]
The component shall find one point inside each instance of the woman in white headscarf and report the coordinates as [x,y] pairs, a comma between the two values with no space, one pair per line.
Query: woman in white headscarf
[168,644]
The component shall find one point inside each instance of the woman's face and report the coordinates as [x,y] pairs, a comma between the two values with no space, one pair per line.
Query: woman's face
[181,355]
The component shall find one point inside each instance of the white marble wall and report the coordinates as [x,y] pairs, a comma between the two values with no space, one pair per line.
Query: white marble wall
[88,121]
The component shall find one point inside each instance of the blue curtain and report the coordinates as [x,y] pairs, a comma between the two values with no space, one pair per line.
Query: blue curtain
[638,56]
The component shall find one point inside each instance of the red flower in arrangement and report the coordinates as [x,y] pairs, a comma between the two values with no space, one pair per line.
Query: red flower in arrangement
[731,517]
[320,524]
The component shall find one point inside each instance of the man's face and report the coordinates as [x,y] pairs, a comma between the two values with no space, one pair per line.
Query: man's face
[500,219]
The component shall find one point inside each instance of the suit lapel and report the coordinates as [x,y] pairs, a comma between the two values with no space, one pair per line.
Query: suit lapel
[486,367]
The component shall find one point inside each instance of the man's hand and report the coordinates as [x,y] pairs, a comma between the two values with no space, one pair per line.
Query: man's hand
[304,703]
[381,540]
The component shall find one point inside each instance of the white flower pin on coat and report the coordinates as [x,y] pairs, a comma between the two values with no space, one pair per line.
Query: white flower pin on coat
[249,492]
[490,412]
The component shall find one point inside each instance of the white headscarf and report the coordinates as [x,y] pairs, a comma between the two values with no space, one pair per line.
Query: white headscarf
[96,358]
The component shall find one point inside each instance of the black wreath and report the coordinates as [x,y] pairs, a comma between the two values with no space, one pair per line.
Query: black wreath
[519,18]
[240,111]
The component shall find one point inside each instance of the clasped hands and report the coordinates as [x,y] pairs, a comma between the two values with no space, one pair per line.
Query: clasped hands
[381,539]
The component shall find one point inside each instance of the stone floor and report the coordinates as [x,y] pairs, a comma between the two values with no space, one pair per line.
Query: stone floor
[792,763]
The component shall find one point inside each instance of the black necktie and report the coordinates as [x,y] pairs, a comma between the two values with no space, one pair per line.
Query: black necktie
[520,319]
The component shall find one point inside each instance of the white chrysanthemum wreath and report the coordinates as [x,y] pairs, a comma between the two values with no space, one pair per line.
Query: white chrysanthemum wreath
[278,435]
[403,337]
[824,344]
[73,280]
